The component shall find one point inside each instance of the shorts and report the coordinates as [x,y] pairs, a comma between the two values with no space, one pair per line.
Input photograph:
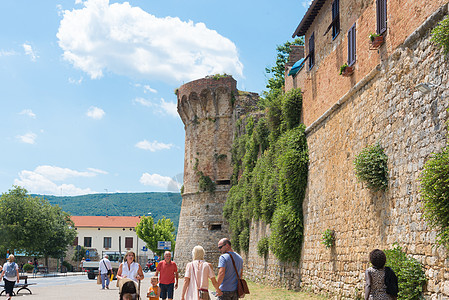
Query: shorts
[229,296]
[167,290]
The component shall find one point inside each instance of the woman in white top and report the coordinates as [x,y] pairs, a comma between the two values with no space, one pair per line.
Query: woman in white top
[10,274]
[197,276]
[130,269]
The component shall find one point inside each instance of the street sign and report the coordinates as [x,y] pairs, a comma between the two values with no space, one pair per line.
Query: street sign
[87,253]
[144,249]
[164,245]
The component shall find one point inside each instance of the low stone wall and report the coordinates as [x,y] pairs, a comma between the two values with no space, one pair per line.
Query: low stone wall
[385,108]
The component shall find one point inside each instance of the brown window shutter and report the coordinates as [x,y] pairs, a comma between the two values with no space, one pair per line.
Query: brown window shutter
[128,242]
[351,45]
[381,16]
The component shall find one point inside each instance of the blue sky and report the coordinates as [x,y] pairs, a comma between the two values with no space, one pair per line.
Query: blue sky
[87,101]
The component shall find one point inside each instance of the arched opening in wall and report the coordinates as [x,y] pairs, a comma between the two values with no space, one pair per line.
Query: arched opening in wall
[207,103]
[215,227]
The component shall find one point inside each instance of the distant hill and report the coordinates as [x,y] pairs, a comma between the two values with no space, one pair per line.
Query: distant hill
[121,204]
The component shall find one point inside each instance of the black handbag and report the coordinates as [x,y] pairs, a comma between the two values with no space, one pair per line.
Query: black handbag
[109,271]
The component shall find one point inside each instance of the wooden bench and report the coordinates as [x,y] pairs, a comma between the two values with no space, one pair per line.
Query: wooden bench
[19,286]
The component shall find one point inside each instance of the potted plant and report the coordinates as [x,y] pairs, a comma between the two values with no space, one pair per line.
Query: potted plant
[346,70]
[28,268]
[376,40]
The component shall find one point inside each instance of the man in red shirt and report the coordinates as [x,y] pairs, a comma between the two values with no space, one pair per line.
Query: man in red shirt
[168,271]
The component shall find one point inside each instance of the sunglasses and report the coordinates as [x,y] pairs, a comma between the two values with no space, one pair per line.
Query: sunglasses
[219,247]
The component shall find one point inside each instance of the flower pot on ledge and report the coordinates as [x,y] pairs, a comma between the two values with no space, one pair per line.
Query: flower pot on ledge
[347,71]
[377,42]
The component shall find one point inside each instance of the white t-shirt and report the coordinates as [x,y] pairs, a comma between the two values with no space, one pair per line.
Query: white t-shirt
[130,270]
[199,273]
[14,278]
[104,266]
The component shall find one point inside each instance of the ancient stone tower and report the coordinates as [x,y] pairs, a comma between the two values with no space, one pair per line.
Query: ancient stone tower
[208,108]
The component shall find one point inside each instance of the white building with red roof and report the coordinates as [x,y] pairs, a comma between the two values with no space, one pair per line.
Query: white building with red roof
[101,234]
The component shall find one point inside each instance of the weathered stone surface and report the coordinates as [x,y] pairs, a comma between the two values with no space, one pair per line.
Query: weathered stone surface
[208,107]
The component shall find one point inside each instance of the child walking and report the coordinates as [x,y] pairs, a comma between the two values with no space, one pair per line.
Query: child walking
[153,291]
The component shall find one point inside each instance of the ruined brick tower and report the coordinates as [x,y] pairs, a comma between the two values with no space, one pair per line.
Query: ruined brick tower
[208,108]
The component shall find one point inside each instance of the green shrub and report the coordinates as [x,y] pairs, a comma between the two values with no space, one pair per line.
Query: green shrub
[286,234]
[371,167]
[206,184]
[291,109]
[262,247]
[27,267]
[435,194]
[440,35]
[328,238]
[68,266]
[411,276]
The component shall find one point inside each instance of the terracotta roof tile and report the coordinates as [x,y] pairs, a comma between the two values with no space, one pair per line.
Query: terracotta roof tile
[105,221]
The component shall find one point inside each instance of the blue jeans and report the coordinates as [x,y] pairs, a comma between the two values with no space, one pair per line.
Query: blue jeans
[104,278]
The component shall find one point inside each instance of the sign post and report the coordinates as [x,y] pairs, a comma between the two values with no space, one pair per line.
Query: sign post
[164,245]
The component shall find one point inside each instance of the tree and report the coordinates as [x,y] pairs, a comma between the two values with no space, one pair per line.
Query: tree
[278,71]
[151,233]
[32,225]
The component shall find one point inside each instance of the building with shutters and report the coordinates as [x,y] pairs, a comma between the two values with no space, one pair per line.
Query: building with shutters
[101,234]
[396,94]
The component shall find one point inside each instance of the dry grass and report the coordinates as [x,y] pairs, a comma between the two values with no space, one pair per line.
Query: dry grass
[259,292]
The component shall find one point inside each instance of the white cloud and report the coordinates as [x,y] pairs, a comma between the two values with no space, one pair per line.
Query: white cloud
[59,174]
[143,102]
[126,40]
[95,113]
[28,112]
[306,3]
[147,89]
[169,108]
[29,51]
[43,180]
[97,171]
[153,146]
[28,138]
[155,180]
[75,81]
[7,53]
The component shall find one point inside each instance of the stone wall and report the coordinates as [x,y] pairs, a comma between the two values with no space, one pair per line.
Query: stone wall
[383,107]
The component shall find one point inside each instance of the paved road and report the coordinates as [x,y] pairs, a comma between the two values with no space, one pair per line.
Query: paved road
[79,287]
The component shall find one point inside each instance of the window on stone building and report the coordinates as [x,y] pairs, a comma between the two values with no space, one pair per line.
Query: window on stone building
[335,24]
[128,242]
[351,46]
[107,242]
[215,227]
[75,242]
[311,54]
[381,16]
[87,241]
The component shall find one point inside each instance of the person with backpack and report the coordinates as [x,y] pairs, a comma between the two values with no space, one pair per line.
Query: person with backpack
[381,282]
[10,274]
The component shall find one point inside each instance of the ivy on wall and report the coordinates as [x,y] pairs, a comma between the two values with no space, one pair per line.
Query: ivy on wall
[435,193]
[440,35]
[270,160]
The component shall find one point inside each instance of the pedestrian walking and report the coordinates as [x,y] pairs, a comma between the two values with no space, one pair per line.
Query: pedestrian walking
[10,275]
[227,276]
[381,282]
[196,279]
[105,271]
[168,280]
